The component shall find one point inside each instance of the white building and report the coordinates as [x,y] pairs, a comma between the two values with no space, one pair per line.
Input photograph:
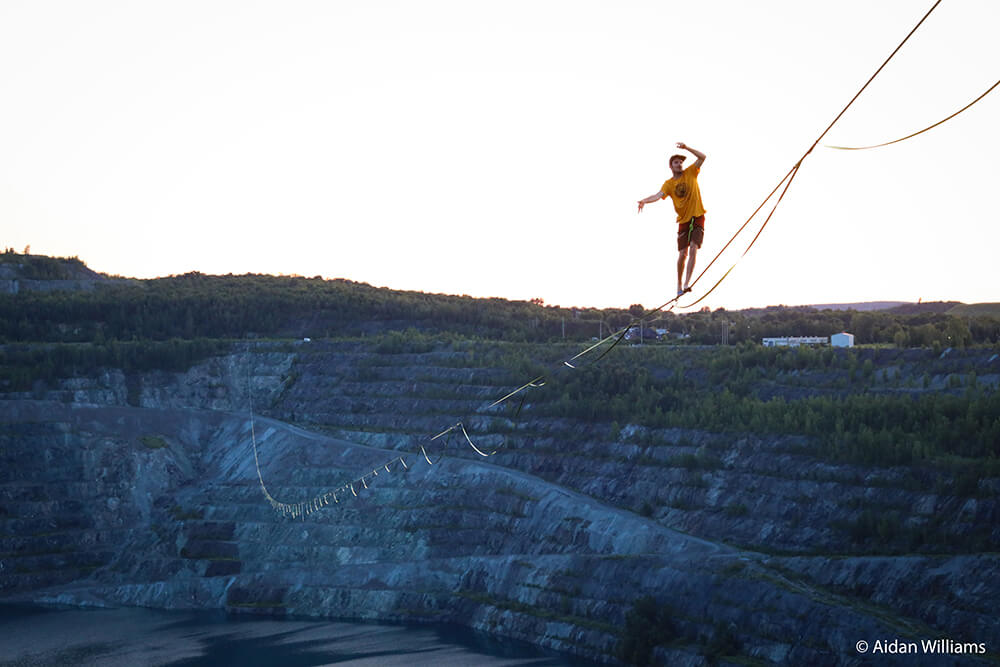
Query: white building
[842,339]
[795,341]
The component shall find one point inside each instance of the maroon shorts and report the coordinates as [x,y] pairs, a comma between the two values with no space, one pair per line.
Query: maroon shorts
[690,232]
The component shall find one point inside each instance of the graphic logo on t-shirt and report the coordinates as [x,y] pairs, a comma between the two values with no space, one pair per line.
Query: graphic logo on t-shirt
[681,190]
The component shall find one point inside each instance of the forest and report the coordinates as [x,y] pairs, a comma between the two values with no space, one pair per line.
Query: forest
[832,397]
[194,305]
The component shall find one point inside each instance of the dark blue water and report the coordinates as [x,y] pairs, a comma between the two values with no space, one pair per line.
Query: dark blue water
[32,635]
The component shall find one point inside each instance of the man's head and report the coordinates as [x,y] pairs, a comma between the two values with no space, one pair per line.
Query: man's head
[677,163]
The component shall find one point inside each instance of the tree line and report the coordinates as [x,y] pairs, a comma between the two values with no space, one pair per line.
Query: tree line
[194,306]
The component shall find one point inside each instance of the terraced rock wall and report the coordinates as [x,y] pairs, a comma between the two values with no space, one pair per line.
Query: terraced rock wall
[551,540]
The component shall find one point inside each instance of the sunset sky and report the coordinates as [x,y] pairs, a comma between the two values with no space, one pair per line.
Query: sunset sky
[499,148]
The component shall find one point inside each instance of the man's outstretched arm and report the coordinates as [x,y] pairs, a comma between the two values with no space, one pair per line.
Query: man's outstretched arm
[698,154]
[650,199]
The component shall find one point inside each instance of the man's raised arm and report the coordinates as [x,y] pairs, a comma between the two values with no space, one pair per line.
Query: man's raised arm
[698,154]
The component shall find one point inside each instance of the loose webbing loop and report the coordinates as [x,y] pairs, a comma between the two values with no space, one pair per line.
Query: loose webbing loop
[427,458]
[473,445]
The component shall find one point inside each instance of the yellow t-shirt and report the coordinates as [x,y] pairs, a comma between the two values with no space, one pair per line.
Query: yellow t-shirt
[684,192]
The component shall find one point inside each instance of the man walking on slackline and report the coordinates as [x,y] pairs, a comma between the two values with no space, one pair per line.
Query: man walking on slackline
[682,188]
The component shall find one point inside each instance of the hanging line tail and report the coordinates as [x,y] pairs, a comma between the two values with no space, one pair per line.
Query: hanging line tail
[910,136]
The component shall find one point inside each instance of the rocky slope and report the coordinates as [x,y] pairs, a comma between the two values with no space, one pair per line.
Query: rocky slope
[551,540]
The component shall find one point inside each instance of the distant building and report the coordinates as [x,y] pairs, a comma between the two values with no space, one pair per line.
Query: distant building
[795,341]
[842,339]
[634,333]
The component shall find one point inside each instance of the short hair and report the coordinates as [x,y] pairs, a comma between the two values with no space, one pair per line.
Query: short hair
[677,156]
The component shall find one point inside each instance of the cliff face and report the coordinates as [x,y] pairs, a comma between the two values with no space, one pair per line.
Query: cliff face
[552,540]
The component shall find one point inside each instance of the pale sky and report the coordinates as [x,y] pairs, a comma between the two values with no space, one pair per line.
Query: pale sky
[499,148]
